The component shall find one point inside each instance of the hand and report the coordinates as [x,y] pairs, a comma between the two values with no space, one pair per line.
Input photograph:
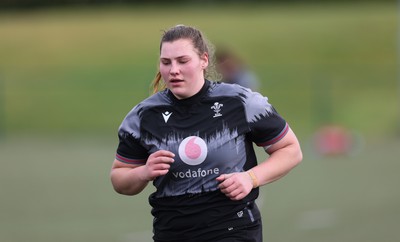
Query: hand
[158,164]
[236,186]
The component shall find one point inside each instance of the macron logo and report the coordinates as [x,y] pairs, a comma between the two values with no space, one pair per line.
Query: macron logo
[166,116]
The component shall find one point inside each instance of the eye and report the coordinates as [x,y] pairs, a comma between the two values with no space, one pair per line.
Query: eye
[165,62]
[183,60]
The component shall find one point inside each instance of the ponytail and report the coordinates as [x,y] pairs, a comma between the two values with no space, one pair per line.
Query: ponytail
[157,84]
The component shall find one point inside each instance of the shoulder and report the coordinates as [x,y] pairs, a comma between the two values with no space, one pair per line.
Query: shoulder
[132,119]
[228,89]
[246,95]
[157,99]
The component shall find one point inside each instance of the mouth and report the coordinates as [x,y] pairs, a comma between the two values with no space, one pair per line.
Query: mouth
[173,81]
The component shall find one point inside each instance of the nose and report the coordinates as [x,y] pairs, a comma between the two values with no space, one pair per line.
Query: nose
[174,69]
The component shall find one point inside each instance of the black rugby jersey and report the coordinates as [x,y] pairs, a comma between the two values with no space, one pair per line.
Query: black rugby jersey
[210,133]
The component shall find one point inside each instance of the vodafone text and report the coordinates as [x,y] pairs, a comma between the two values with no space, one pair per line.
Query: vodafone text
[196,173]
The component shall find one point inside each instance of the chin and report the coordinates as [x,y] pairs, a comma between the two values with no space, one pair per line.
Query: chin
[179,94]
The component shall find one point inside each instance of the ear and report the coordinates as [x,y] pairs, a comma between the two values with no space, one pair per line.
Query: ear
[204,60]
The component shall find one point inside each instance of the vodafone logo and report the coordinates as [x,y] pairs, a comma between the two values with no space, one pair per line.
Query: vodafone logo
[193,150]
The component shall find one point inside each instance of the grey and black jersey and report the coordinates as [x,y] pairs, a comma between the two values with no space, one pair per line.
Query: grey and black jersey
[210,133]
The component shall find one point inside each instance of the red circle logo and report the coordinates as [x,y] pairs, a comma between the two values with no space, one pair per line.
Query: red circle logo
[193,150]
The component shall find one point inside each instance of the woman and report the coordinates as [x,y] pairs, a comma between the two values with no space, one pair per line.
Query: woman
[193,140]
[234,70]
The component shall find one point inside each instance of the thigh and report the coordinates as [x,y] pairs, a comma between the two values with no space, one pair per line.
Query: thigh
[251,233]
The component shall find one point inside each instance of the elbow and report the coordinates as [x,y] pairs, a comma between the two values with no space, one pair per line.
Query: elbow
[119,189]
[124,191]
[298,157]
[122,188]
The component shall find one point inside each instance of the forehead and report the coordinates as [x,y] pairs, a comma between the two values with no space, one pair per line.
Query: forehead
[177,48]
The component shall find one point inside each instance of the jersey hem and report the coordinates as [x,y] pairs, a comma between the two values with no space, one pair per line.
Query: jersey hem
[129,161]
[277,138]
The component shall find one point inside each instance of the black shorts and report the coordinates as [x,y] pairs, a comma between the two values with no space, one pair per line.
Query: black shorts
[209,217]
[248,233]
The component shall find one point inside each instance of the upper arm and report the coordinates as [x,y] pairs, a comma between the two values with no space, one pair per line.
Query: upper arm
[125,178]
[289,145]
[288,139]
[266,125]
[119,168]
[130,148]
[119,164]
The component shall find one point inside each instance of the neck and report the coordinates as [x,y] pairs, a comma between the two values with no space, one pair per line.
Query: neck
[196,89]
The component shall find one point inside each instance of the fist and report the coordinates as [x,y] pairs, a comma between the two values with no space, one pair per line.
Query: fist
[158,164]
[236,186]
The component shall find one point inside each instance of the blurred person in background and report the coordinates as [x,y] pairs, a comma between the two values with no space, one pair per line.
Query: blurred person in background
[234,70]
[193,139]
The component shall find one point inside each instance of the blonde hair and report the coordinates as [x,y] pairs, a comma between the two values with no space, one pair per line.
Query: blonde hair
[157,84]
[200,43]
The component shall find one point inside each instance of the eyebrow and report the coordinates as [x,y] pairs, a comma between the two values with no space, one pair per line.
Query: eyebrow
[179,57]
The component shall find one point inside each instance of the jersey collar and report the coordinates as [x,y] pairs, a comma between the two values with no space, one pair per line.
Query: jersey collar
[193,99]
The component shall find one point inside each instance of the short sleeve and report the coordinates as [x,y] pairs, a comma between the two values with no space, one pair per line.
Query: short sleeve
[130,150]
[266,125]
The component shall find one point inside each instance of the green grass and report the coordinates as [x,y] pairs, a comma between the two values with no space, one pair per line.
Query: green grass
[59,190]
[74,70]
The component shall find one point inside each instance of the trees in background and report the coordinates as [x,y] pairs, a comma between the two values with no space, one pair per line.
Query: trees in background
[29,4]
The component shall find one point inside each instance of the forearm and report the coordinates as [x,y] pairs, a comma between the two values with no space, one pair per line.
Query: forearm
[128,181]
[277,165]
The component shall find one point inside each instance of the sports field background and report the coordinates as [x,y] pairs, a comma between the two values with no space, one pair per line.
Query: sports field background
[68,77]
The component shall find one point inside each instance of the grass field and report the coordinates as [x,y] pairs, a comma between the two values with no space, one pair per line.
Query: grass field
[69,76]
[58,190]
